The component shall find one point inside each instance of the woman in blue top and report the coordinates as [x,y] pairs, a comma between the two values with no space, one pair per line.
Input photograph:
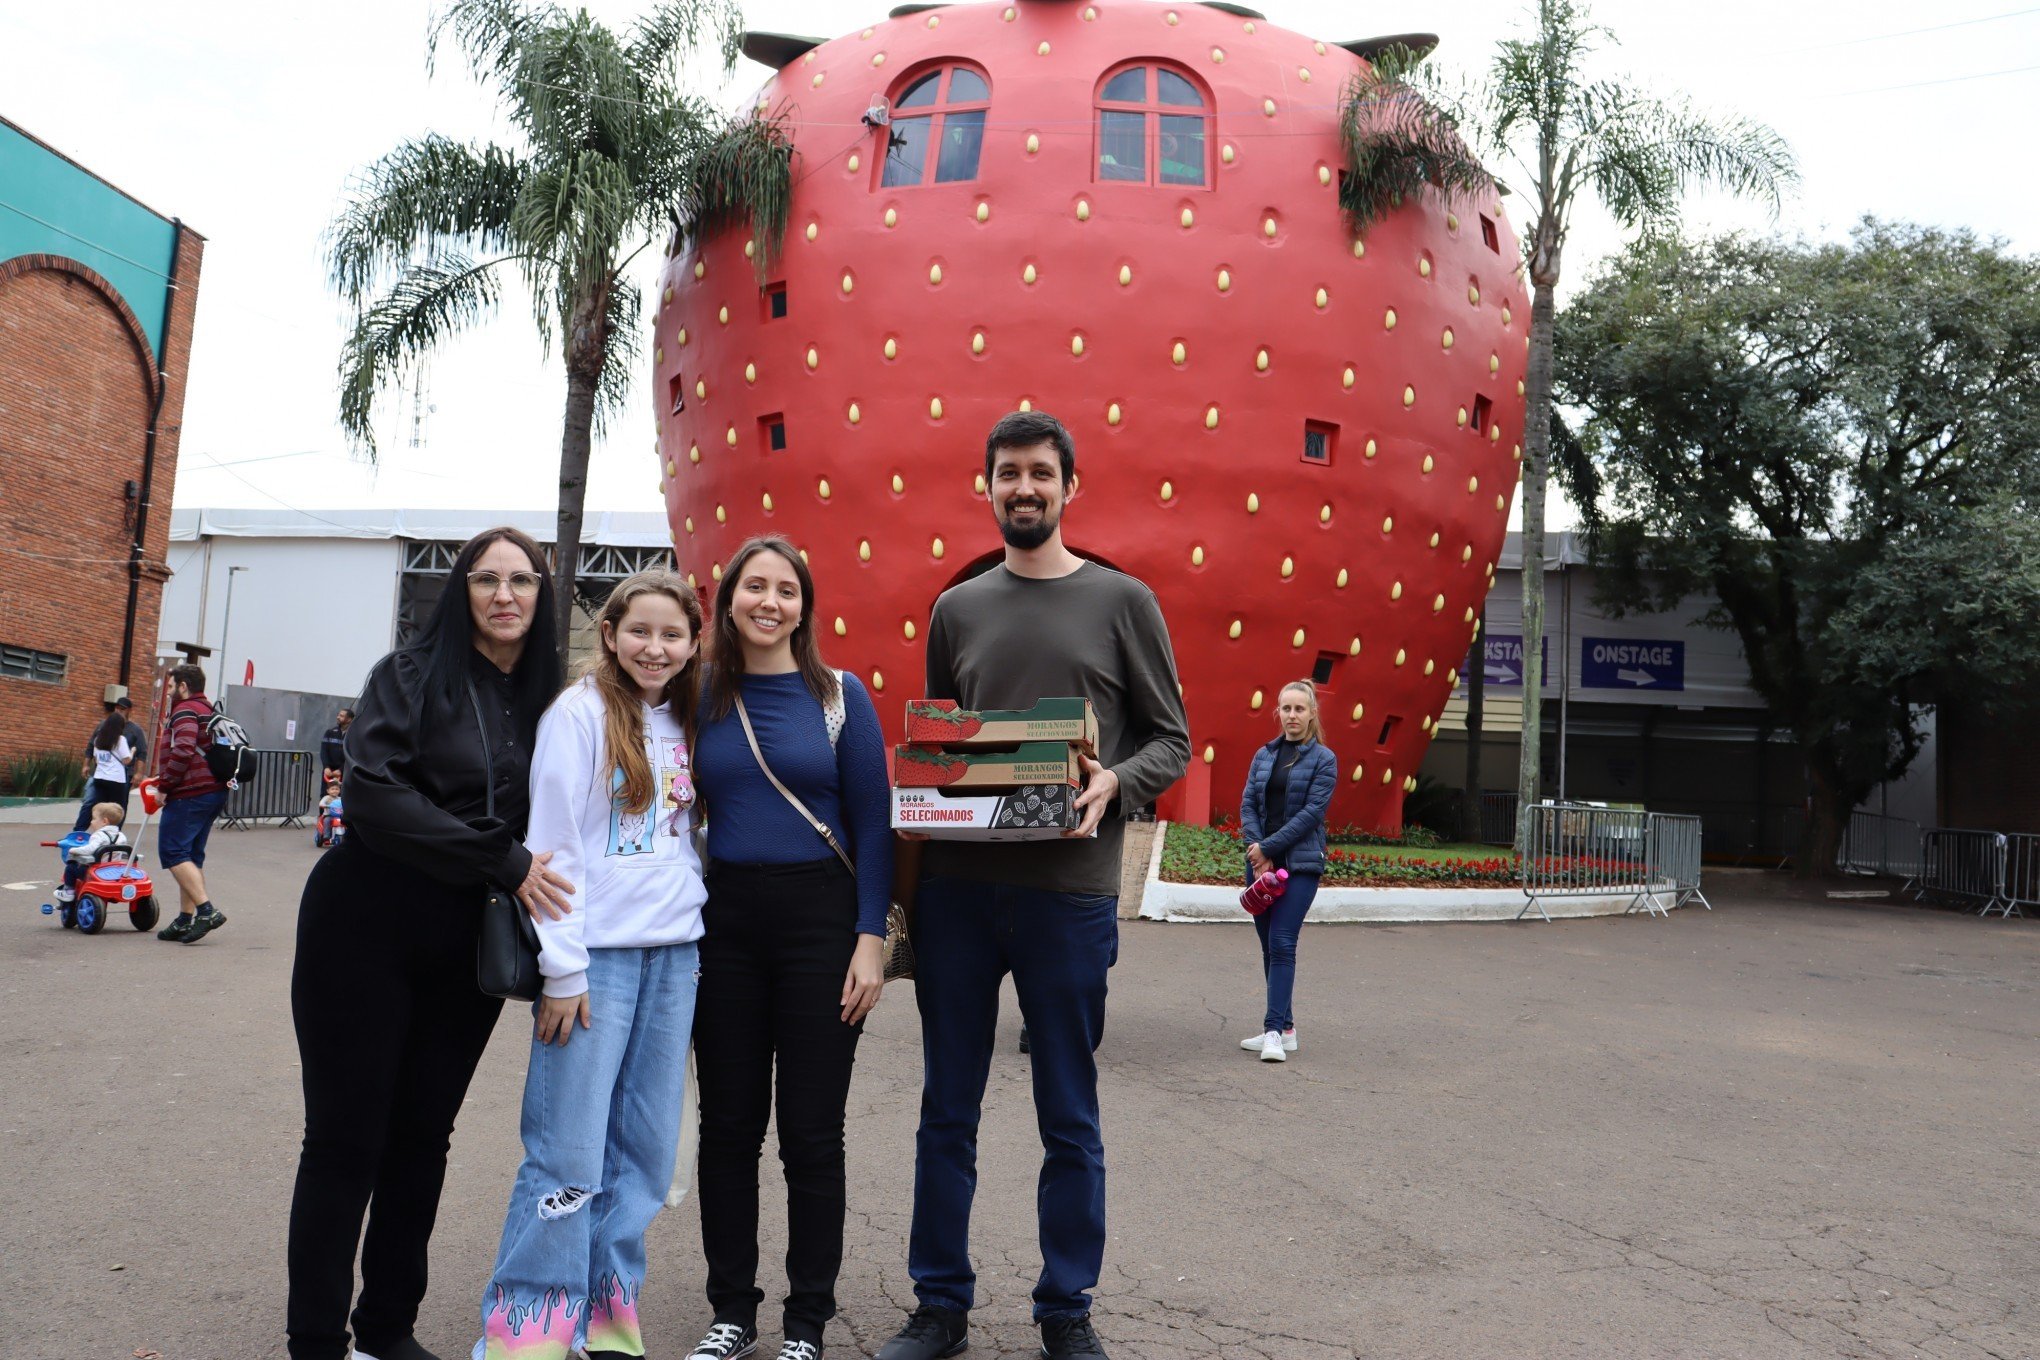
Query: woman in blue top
[1282,819]
[791,961]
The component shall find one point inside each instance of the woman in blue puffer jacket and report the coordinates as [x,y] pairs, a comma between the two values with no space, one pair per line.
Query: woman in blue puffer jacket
[1282,819]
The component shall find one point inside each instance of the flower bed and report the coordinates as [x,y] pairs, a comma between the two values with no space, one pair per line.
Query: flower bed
[1216,855]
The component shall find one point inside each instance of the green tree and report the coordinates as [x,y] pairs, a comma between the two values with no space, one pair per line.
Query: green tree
[1548,127]
[610,148]
[1841,445]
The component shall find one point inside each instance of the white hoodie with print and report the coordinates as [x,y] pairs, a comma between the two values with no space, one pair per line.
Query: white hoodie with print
[636,877]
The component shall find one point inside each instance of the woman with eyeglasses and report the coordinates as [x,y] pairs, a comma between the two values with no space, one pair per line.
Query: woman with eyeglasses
[390,1022]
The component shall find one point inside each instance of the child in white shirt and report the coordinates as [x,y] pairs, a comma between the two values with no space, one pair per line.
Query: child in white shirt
[612,798]
[103,841]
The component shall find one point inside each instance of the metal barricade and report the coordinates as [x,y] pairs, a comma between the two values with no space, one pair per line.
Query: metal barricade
[2021,886]
[1498,817]
[1572,851]
[285,788]
[1673,860]
[1873,843]
[1965,864]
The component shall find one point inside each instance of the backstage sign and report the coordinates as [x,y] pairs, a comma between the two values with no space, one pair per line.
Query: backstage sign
[1503,658]
[1633,664]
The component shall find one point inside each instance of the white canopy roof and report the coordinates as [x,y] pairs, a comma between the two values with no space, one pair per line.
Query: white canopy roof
[608,528]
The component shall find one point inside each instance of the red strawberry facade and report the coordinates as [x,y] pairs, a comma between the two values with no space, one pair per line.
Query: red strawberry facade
[1124,213]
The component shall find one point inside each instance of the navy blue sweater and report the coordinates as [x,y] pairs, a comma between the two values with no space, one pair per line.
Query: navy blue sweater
[750,823]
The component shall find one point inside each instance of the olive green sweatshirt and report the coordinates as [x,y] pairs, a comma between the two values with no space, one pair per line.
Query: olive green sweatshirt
[1005,641]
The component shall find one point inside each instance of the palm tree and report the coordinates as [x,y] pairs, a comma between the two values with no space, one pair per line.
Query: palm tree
[610,149]
[1559,133]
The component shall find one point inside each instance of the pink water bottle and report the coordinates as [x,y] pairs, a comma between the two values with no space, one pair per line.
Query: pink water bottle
[1260,895]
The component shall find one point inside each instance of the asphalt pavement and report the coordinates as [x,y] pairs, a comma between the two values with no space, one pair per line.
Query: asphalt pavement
[1787,1127]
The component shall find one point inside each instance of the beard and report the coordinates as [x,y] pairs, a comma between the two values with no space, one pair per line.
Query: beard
[1029,536]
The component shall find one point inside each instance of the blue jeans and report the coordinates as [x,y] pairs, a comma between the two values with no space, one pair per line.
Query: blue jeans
[1058,947]
[601,1125]
[185,825]
[1278,928]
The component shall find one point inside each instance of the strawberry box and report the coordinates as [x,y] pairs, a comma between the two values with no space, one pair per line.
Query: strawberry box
[1027,792]
[1033,812]
[943,722]
[1030,763]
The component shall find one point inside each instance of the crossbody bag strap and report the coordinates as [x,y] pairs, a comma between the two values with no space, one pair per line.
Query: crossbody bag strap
[488,761]
[821,827]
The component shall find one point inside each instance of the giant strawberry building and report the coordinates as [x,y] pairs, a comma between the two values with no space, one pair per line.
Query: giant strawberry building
[1124,213]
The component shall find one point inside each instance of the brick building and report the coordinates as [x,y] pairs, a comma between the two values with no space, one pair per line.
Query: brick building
[97,295]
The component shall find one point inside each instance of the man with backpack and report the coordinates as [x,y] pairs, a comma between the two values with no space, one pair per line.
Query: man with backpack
[192,798]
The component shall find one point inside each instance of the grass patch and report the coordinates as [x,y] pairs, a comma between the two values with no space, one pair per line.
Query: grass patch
[1452,850]
[1217,855]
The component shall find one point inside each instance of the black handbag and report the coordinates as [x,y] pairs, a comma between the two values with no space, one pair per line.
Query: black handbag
[506,953]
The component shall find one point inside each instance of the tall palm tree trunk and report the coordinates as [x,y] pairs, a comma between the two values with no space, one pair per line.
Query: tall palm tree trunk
[576,442]
[1536,465]
[587,350]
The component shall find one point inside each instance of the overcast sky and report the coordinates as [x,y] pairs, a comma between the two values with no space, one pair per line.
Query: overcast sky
[247,124]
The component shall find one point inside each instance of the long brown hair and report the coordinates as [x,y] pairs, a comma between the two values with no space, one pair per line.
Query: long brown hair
[726,650]
[623,723]
[106,736]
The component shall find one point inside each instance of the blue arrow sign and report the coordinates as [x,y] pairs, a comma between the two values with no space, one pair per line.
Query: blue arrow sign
[1503,656]
[1634,664]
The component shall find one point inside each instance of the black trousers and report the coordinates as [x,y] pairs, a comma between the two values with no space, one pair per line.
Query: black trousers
[777,948]
[101,791]
[390,1026]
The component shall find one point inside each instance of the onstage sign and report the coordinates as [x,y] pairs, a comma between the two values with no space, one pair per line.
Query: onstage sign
[1632,664]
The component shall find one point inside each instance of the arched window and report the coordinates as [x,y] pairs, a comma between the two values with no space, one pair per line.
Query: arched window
[938,128]
[1153,128]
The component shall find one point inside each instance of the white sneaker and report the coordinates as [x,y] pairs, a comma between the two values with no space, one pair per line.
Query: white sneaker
[1253,1043]
[725,1341]
[1271,1047]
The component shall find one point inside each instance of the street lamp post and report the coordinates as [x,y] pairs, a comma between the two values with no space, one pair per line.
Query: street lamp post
[226,622]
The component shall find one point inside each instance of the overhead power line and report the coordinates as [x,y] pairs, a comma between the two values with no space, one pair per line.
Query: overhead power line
[1946,80]
[1912,32]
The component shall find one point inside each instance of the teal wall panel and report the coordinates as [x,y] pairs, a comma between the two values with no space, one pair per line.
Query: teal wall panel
[48,206]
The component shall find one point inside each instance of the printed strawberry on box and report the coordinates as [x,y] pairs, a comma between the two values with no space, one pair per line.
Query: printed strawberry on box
[1028,792]
[1033,762]
[943,722]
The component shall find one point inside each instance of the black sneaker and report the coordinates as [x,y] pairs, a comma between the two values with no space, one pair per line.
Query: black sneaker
[203,924]
[1026,1046]
[725,1341]
[1065,1338]
[931,1333]
[178,930]
[406,1349]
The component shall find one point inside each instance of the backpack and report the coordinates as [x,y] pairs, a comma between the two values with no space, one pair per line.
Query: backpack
[227,752]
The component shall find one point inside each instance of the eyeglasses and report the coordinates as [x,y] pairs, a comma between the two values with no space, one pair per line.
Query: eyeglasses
[523,584]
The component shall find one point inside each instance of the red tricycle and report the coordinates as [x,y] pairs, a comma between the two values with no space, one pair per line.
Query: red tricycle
[116,882]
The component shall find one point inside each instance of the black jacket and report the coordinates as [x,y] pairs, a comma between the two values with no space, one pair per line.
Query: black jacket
[414,785]
[333,749]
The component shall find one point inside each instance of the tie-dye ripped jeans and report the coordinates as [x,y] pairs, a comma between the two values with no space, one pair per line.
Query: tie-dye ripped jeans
[601,1124]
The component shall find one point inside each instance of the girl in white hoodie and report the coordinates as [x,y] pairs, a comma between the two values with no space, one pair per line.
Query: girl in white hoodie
[612,797]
